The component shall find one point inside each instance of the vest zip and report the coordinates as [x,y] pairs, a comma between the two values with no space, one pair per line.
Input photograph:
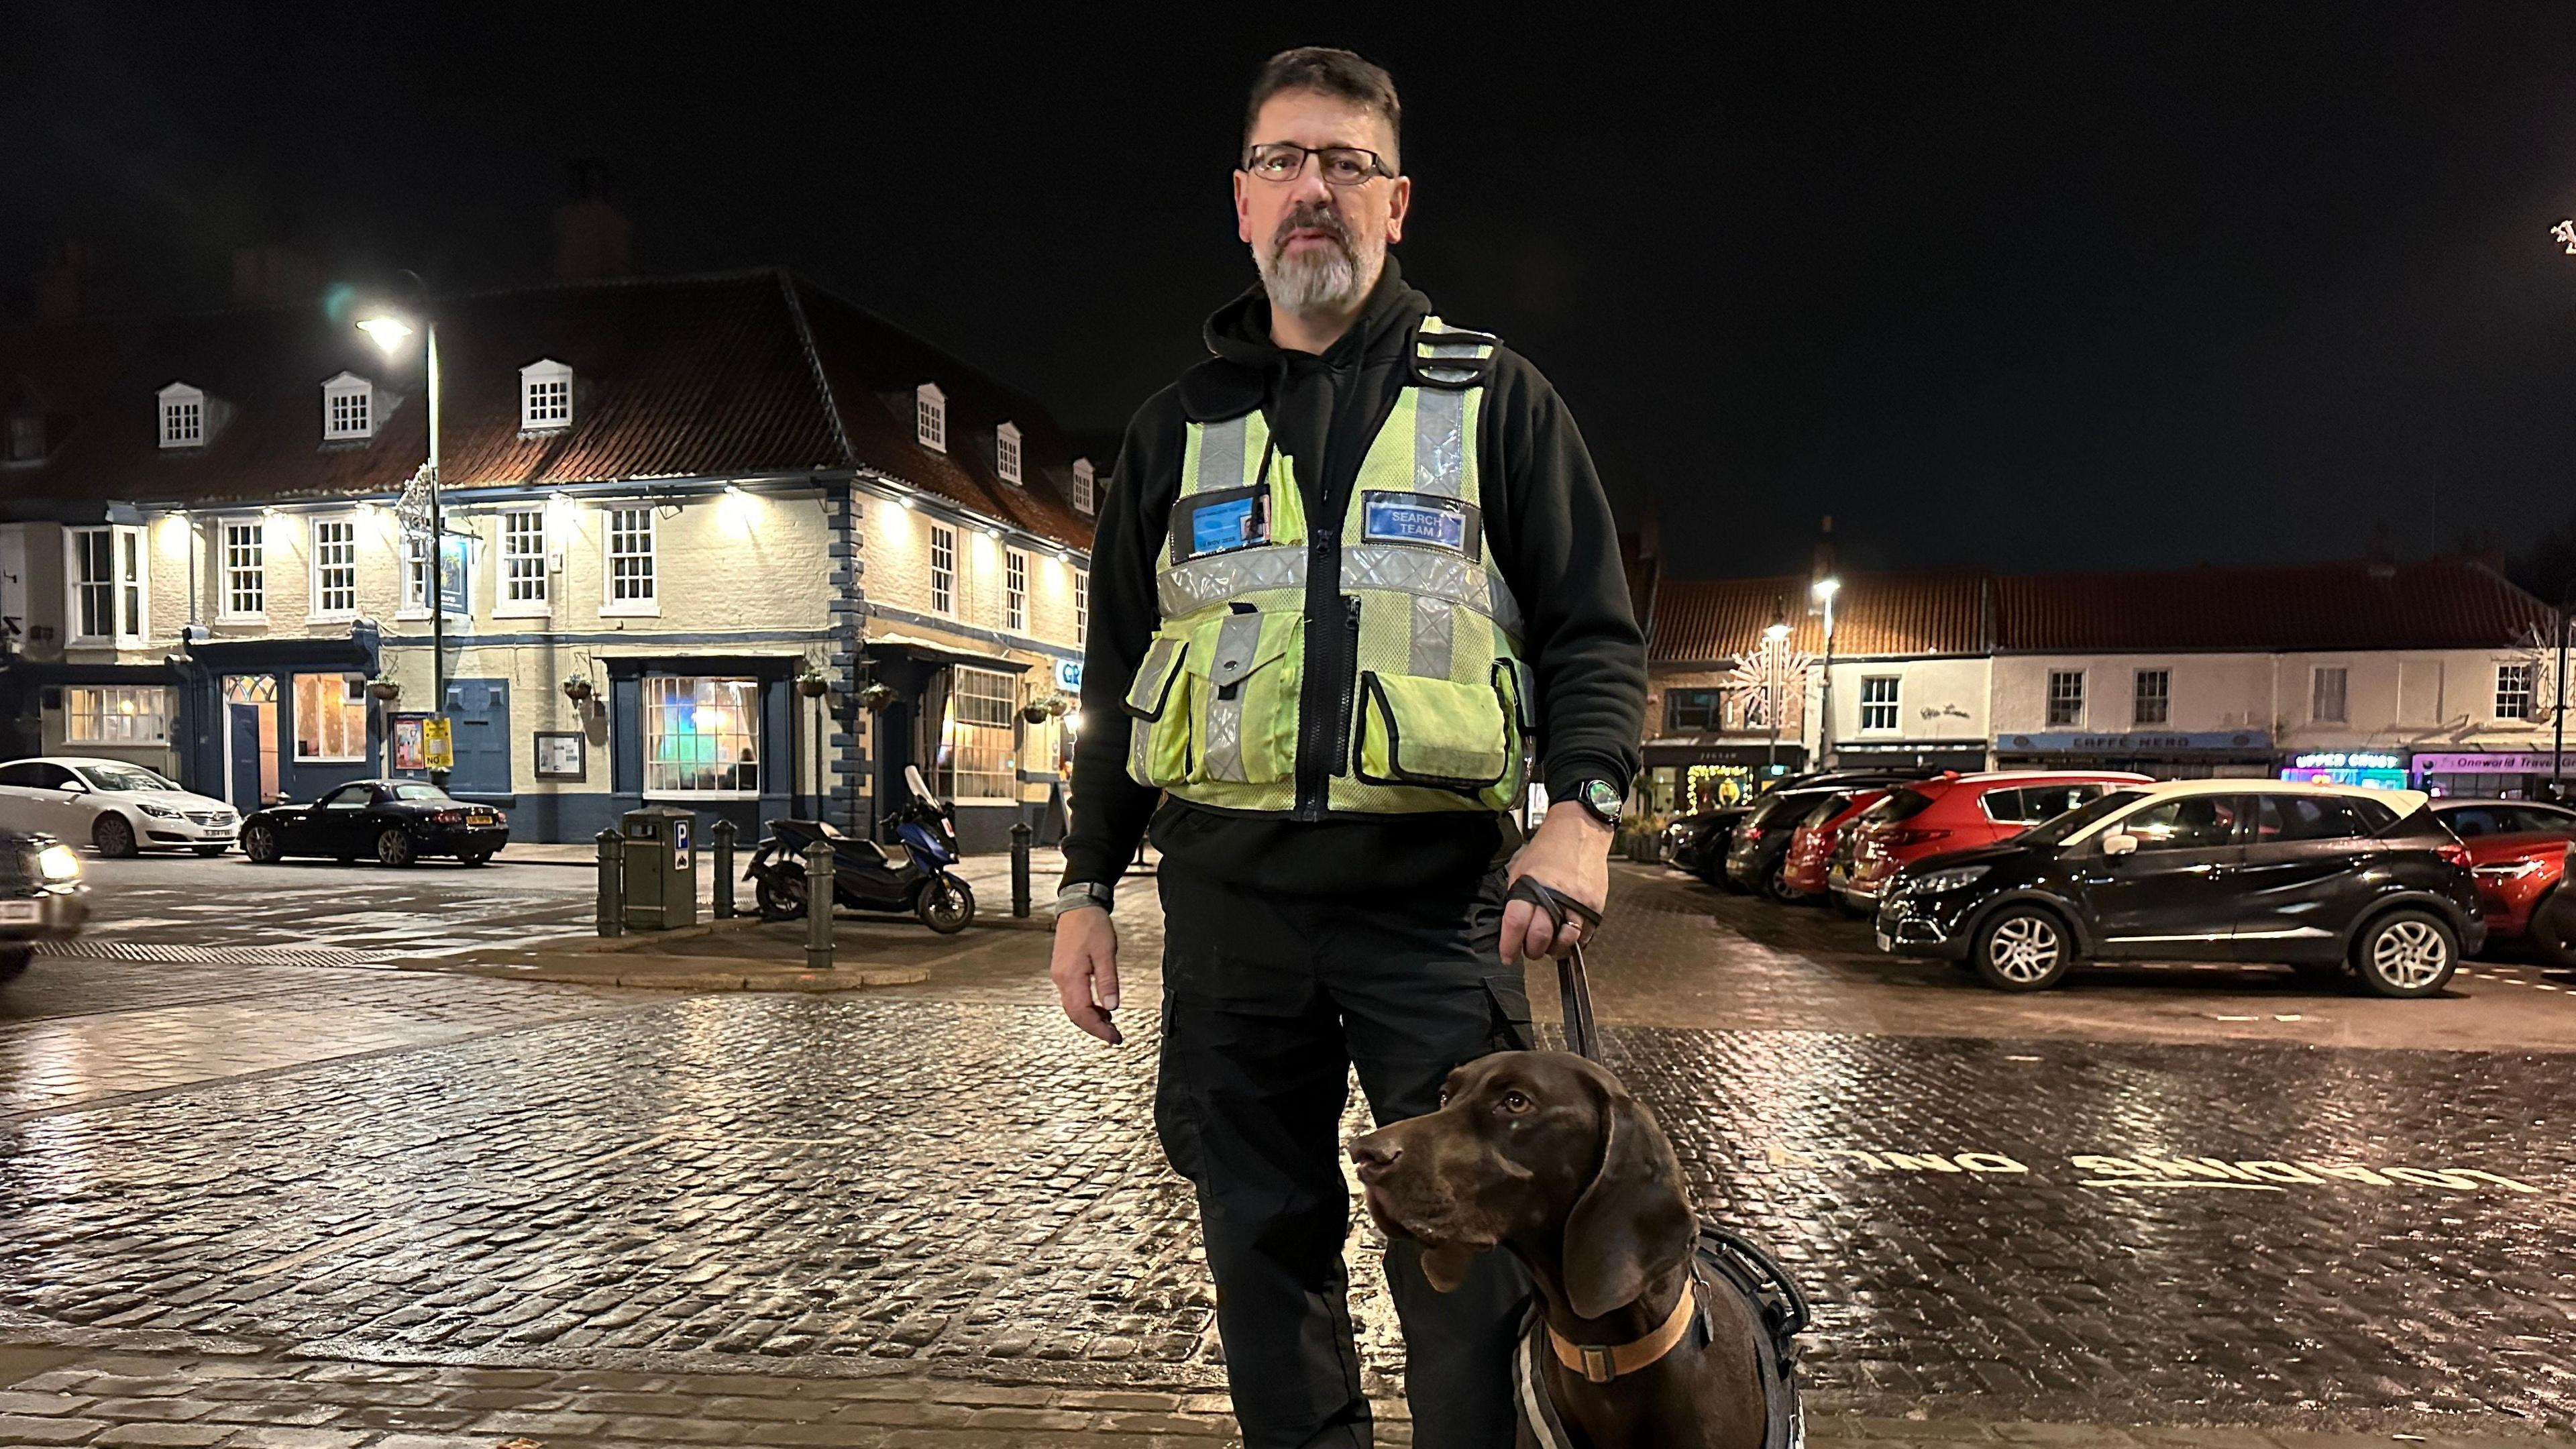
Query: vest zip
[1318,732]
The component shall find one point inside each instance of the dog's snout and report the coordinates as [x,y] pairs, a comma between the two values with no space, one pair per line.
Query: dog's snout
[1375,1156]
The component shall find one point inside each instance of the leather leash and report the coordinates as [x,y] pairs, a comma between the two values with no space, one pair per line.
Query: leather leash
[1573,987]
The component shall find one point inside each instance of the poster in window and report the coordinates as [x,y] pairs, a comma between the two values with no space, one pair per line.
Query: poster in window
[409,751]
[559,755]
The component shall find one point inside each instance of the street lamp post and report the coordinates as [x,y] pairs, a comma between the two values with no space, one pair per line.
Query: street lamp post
[389,331]
[2558,727]
[1825,589]
[1775,638]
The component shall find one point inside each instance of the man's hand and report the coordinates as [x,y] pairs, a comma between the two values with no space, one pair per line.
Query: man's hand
[1570,854]
[1086,970]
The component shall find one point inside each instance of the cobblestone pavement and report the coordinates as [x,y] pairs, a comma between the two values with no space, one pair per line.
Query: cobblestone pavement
[2013,1232]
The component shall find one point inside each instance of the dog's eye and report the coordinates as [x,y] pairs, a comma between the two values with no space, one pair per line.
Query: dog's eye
[1514,1103]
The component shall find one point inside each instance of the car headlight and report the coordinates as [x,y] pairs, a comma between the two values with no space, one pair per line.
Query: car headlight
[1949,878]
[159,812]
[57,862]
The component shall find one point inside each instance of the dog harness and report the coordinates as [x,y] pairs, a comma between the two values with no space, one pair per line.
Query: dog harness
[1721,1261]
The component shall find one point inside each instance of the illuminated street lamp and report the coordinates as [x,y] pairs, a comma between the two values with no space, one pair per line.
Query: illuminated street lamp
[390,331]
[1824,590]
[1775,639]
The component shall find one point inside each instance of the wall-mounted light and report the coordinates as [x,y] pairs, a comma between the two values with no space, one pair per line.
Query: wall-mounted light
[733,490]
[904,502]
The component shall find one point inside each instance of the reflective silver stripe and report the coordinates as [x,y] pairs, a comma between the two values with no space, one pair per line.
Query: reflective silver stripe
[1221,454]
[1434,572]
[1435,632]
[1439,442]
[1153,676]
[1238,639]
[1138,732]
[1190,587]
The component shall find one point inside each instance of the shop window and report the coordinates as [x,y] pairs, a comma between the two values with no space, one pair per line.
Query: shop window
[1690,711]
[1878,701]
[701,736]
[2066,697]
[330,718]
[108,585]
[335,568]
[2513,691]
[2151,701]
[2326,694]
[943,569]
[1015,591]
[979,736]
[116,714]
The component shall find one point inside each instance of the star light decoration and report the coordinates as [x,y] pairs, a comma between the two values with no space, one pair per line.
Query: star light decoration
[1755,674]
[2565,232]
[412,509]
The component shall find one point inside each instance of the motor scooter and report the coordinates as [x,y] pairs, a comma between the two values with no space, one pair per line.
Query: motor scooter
[913,875]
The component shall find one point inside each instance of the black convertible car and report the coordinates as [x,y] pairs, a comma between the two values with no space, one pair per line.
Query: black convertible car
[394,821]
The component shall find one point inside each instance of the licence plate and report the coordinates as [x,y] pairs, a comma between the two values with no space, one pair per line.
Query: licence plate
[482,819]
[21,913]
[1886,942]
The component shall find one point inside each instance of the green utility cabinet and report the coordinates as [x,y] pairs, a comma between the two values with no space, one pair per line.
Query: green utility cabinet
[661,869]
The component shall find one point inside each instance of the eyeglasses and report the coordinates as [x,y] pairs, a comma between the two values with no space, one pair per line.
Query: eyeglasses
[1286,161]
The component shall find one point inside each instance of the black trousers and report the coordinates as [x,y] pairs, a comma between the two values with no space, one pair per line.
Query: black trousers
[1268,1002]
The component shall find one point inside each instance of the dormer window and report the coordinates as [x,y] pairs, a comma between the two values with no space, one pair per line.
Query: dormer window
[1083,500]
[183,416]
[930,416]
[545,397]
[1006,452]
[348,408]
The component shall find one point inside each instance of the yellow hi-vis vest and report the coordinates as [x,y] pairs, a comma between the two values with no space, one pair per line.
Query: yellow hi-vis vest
[1435,715]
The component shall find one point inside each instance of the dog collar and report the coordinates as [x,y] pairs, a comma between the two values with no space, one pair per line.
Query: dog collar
[1600,1363]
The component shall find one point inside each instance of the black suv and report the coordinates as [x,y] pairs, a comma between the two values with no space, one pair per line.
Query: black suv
[2323,878]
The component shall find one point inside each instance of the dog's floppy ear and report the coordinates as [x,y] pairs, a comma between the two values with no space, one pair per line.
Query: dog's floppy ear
[1632,1217]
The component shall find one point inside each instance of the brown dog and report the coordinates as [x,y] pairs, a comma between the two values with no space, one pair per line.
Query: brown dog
[1546,1154]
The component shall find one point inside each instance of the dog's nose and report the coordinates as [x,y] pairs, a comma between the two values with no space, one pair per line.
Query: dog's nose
[1375,1158]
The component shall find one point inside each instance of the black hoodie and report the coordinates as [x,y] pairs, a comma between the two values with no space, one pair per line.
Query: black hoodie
[1550,528]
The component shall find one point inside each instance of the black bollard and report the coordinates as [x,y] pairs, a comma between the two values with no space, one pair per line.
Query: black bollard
[818,906]
[724,834]
[612,883]
[1020,834]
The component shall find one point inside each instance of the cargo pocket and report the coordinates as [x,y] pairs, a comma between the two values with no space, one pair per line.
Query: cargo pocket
[1244,670]
[1509,995]
[1513,686]
[1158,703]
[1432,732]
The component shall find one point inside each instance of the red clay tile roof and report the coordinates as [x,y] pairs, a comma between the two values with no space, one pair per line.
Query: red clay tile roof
[2442,603]
[1929,612]
[729,375]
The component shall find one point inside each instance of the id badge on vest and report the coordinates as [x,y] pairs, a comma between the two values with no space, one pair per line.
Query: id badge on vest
[1220,522]
[1421,518]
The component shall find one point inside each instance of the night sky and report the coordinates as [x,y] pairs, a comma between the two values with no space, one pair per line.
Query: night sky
[2034,287]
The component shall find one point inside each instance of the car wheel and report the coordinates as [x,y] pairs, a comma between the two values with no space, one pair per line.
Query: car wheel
[259,844]
[394,848]
[945,905]
[1776,885]
[2553,928]
[13,960]
[2022,948]
[113,834]
[2405,953]
[211,851]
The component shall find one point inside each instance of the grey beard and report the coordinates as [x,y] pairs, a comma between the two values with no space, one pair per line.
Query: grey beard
[1325,280]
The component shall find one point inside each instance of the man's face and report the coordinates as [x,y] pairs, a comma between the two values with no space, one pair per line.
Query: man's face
[1320,247]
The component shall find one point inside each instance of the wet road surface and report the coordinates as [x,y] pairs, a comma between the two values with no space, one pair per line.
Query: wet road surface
[2109,1204]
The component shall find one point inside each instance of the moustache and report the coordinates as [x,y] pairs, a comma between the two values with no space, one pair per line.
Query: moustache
[1311,216]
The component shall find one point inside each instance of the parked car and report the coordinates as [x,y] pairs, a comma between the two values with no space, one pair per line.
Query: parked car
[392,821]
[1697,843]
[2518,852]
[1958,812]
[115,807]
[41,896]
[2324,878]
[1759,846]
[1804,871]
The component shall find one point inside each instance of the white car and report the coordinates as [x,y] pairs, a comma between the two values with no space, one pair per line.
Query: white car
[114,806]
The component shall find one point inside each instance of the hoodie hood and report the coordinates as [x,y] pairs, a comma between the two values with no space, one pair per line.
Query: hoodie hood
[1235,378]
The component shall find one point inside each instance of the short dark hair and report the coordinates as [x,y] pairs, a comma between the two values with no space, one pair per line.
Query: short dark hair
[1330,72]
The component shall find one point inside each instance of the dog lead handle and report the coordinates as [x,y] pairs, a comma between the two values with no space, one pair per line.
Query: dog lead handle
[1574,988]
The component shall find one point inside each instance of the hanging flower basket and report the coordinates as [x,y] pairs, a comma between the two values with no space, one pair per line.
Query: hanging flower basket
[387,690]
[877,696]
[813,684]
[577,689]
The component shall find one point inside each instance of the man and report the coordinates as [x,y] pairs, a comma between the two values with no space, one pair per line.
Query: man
[1353,569]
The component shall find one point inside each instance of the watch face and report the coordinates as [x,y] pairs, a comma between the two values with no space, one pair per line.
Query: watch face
[1603,799]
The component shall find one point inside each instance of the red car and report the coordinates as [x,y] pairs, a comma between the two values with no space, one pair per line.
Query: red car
[1958,812]
[1811,851]
[2518,851]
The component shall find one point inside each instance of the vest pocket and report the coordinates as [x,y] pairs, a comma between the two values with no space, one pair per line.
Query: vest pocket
[1244,670]
[1158,703]
[1415,730]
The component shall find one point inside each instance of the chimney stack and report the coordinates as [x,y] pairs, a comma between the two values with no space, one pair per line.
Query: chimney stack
[273,276]
[592,238]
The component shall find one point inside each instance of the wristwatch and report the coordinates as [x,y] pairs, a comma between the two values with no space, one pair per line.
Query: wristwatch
[1078,894]
[1602,798]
